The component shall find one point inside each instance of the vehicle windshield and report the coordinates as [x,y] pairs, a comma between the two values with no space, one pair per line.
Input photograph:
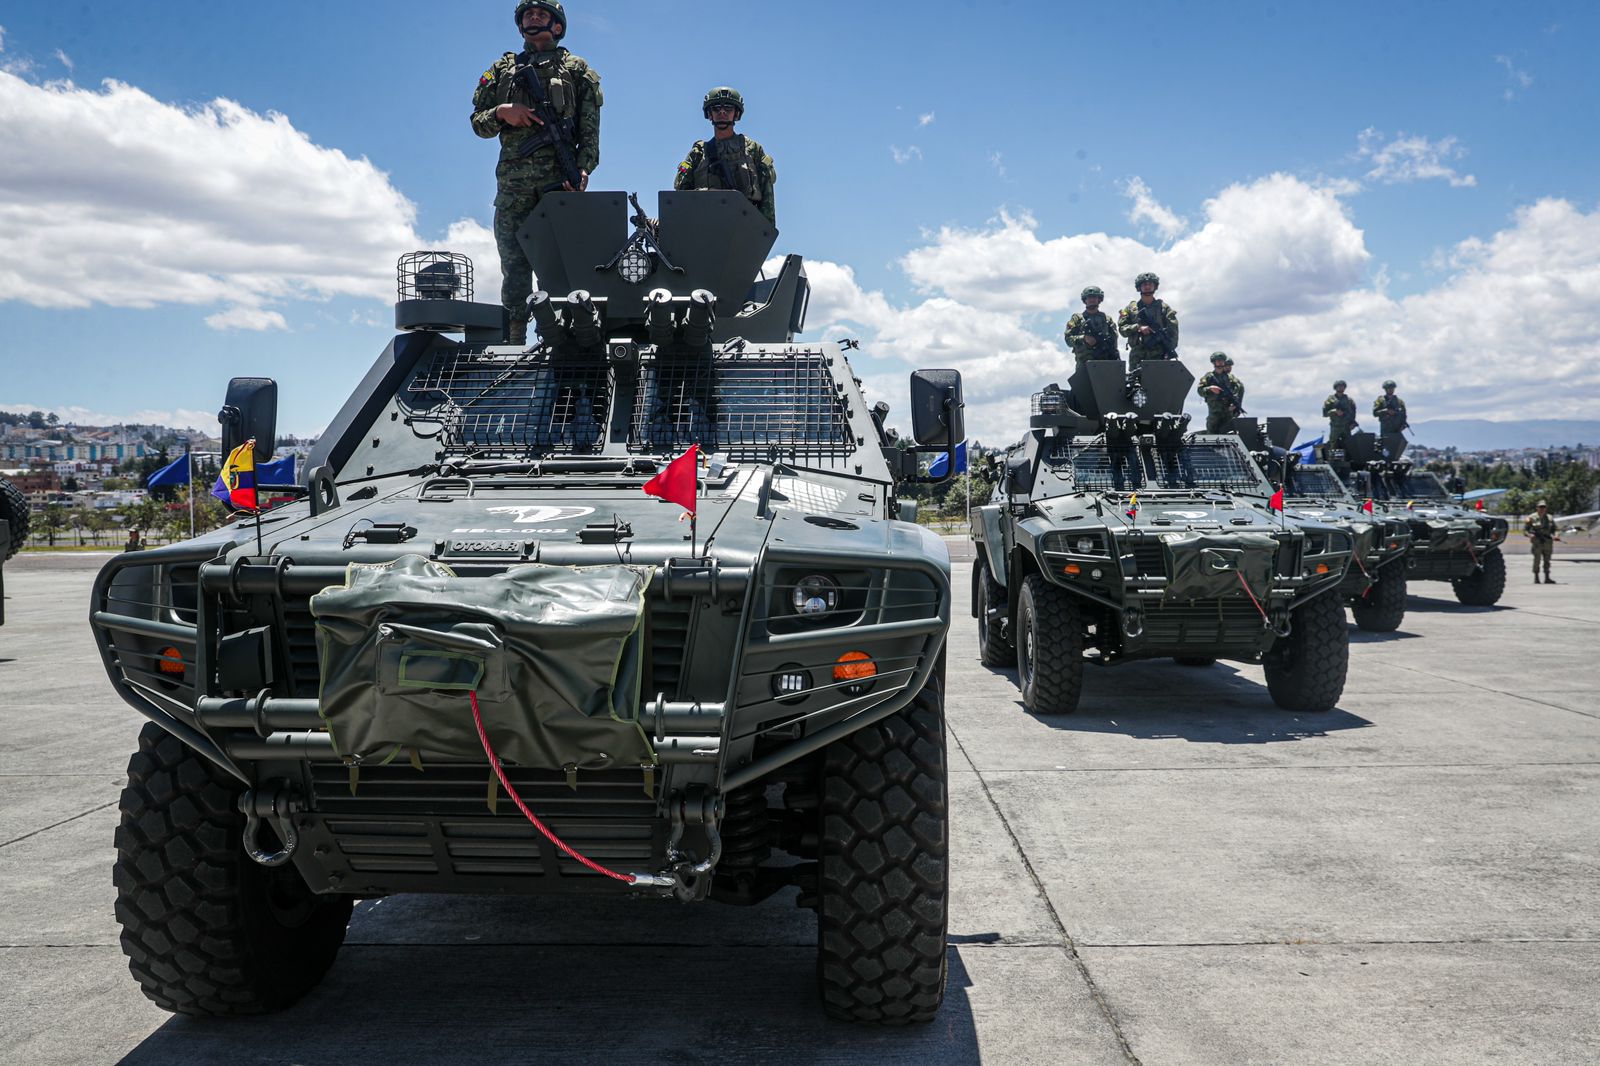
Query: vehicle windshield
[1091,464]
[1416,487]
[1315,481]
[749,406]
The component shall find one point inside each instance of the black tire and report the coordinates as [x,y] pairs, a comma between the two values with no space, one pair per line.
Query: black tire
[883,883]
[1191,660]
[208,931]
[1306,670]
[1383,608]
[1049,648]
[993,649]
[1484,586]
[14,510]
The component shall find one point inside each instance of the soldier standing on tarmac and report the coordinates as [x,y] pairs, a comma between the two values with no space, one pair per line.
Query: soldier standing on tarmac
[1150,325]
[1090,333]
[1222,392]
[1540,529]
[530,161]
[1390,411]
[729,160]
[1340,411]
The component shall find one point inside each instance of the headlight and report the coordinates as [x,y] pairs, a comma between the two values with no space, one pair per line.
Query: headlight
[814,595]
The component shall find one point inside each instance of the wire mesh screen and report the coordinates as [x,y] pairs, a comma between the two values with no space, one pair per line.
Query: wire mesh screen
[434,276]
[1211,465]
[516,405]
[1419,487]
[1312,481]
[747,406]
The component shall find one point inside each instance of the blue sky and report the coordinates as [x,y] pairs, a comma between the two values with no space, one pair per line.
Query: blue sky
[955,171]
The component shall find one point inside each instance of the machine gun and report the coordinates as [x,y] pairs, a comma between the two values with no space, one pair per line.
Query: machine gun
[1158,328]
[554,132]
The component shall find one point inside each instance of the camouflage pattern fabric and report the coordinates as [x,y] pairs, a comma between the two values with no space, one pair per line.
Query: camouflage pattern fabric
[1541,533]
[1142,346]
[1219,414]
[1085,325]
[1391,414]
[752,168]
[573,89]
[1340,411]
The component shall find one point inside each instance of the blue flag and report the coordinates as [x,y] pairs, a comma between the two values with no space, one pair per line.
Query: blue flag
[174,473]
[1308,451]
[941,462]
[280,472]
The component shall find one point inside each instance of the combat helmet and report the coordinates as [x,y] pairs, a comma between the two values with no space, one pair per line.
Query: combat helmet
[1092,290]
[1221,357]
[1341,383]
[1138,282]
[558,15]
[1390,384]
[723,94]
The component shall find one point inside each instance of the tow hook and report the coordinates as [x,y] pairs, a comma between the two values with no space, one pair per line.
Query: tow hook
[687,879]
[275,802]
[1133,622]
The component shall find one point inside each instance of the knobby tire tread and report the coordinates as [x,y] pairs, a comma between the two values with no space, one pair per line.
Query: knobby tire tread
[14,509]
[993,650]
[1484,586]
[1057,648]
[1318,654]
[1383,608]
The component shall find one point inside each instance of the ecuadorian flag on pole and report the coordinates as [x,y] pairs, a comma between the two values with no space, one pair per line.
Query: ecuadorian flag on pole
[236,485]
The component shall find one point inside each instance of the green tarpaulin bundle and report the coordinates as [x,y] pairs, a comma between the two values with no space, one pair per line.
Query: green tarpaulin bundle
[554,653]
[1209,565]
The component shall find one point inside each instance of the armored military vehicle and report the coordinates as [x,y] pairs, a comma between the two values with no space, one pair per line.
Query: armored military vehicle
[1450,542]
[1116,534]
[475,656]
[1374,586]
[14,521]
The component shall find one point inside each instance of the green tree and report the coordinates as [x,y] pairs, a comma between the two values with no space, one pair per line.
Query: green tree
[54,520]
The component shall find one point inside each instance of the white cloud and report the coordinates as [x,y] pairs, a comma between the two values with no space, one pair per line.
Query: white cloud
[246,318]
[1519,80]
[925,120]
[1146,208]
[2,38]
[66,61]
[1407,159]
[902,156]
[179,418]
[1279,276]
[109,196]
[998,161]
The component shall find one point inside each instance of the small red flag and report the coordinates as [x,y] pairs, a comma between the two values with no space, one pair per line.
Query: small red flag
[1480,505]
[1276,503]
[1367,507]
[678,482]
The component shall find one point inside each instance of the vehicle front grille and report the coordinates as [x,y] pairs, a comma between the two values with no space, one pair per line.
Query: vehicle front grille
[304,674]
[1148,559]
[402,827]
[669,636]
[1225,623]
[1437,565]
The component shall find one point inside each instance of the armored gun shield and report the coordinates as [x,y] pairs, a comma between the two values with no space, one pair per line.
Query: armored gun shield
[1104,386]
[1278,432]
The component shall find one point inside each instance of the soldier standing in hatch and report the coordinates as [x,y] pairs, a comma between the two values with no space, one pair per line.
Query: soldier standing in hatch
[1144,340]
[729,160]
[1222,392]
[1089,333]
[1340,411]
[1540,529]
[1390,411]
[529,166]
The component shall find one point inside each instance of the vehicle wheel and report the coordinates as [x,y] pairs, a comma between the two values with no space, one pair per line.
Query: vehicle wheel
[1188,660]
[207,930]
[1484,586]
[14,509]
[883,886]
[1383,608]
[1306,670]
[1049,648]
[993,649]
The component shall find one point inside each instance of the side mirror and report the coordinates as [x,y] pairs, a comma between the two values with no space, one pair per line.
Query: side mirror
[936,409]
[250,411]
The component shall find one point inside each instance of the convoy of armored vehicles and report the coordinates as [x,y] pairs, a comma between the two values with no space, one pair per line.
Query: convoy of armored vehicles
[483,652]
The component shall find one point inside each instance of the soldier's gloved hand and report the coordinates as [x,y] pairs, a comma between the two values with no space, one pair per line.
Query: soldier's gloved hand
[583,186]
[1145,331]
[517,115]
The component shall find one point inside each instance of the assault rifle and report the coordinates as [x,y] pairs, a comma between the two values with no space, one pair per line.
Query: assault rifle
[553,132]
[1227,392]
[714,151]
[1105,341]
[1158,328]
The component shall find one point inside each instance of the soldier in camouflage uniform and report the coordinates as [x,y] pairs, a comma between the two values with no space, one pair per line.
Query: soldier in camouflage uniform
[1221,409]
[1540,529]
[1089,333]
[528,168]
[1143,343]
[747,164]
[1340,411]
[1390,411]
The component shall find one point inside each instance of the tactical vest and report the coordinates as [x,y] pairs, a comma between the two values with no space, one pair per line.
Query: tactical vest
[735,153]
[561,87]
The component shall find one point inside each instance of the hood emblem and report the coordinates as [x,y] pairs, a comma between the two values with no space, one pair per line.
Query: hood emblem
[539,515]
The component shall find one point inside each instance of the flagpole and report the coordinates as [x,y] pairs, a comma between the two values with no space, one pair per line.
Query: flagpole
[189,444]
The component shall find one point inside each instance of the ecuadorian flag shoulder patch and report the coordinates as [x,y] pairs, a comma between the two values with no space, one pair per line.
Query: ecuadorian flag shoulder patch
[488,76]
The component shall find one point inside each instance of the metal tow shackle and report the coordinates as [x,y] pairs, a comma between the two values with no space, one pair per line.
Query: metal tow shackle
[278,805]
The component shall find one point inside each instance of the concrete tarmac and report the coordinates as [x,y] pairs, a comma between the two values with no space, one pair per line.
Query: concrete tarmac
[1178,874]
